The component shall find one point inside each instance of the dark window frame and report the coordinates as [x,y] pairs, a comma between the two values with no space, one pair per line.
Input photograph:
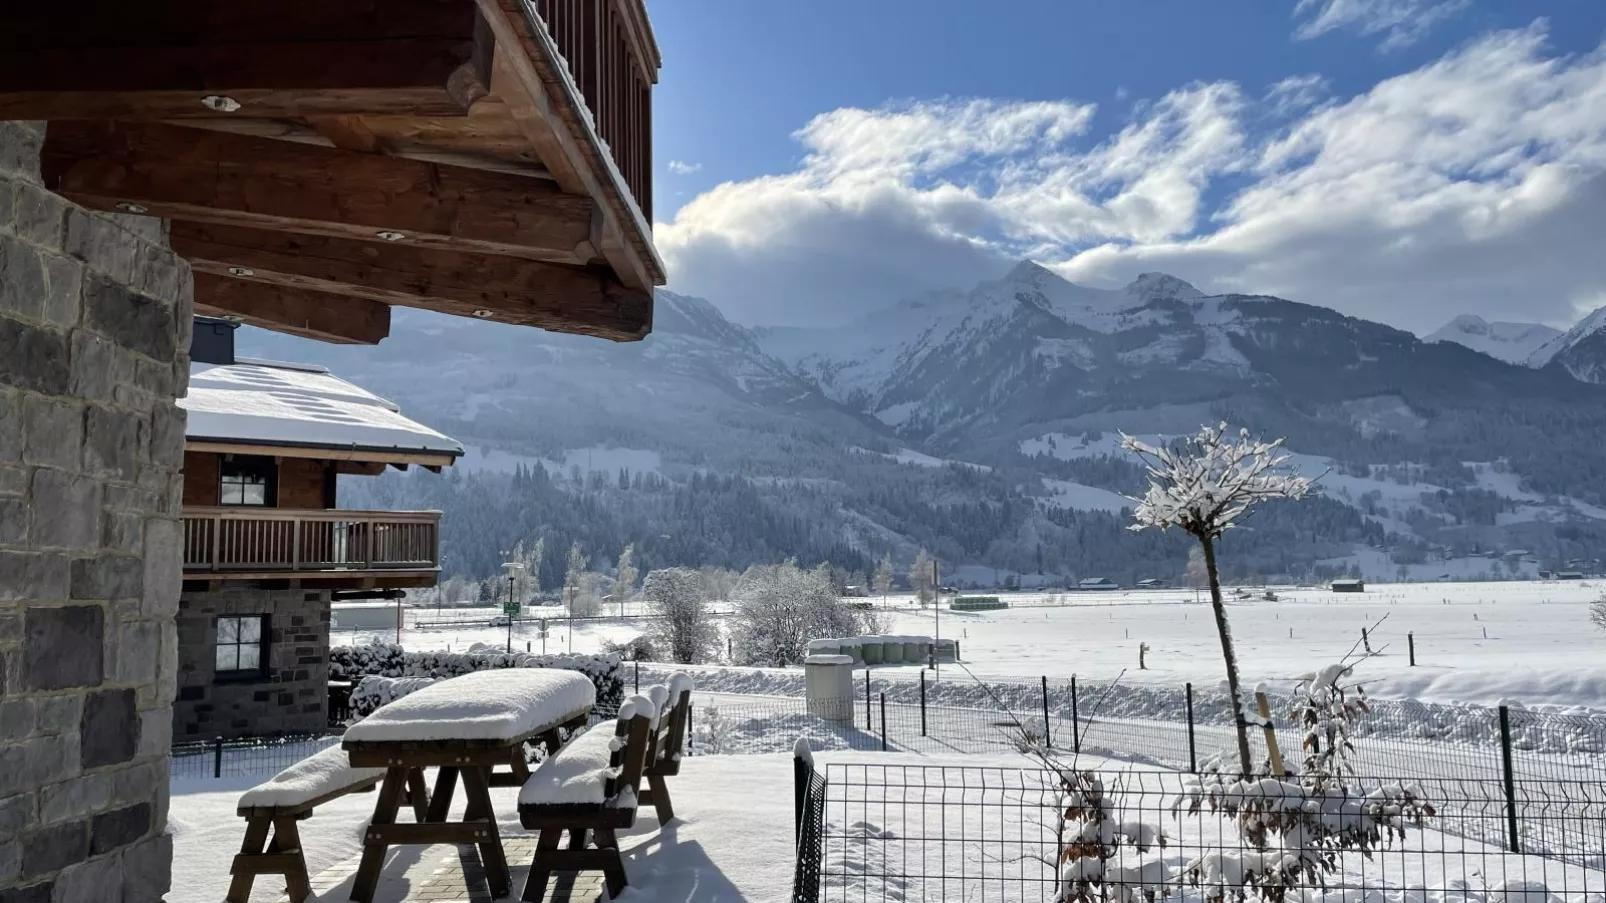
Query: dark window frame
[248,467]
[237,675]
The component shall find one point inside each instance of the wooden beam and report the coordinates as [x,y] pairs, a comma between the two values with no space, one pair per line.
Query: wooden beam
[499,288]
[349,133]
[217,177]
[312,315]
[101,59]
[227,447]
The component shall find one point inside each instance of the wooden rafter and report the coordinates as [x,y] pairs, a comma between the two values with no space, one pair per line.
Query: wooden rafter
[216,177]
[103,59]
[500,288]
[313,315]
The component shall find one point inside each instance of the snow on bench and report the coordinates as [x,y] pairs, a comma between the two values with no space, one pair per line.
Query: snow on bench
[313,779]
[506,704]
[585,770]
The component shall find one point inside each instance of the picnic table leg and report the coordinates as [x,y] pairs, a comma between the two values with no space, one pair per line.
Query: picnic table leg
[577,838]
[287,837]
[552,742]
[418,793]
[441,802]
[613,868]
[541,864]
[373,848]
[657,793]
[256,834]
[477,790]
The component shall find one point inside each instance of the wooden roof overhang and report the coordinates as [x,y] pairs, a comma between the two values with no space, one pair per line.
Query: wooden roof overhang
[322,161]
[364,460]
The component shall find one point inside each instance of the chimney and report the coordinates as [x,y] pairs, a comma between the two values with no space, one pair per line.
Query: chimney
[213,341]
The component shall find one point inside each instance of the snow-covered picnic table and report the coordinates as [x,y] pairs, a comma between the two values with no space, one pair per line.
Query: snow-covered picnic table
[465,726]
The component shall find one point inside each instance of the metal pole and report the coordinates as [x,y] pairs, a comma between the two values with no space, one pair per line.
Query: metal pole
[217,757]
[638,677]
[1193,752]
[936,618]
[922,703]
[1510,779]
[1048,735]
[1410,643]
[867,715]
[800,790]
[883,722]
[1076,721]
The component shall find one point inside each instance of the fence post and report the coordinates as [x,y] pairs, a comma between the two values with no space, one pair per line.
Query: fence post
[1076,721]
[868,716]
[217,757]
[1410,643]
[883,722]
[801,772]
[638,677]
[1510,779]
[1193,751]
[1048,735]
[691,717]
[922,703]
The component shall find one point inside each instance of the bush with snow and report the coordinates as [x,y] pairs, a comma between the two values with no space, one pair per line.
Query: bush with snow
[685,629]
[780,608]
[353,663]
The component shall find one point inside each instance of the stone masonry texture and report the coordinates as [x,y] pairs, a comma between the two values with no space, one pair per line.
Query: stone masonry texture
[95,316]
[291,696]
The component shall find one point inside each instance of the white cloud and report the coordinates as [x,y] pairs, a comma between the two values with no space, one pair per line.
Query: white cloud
[1476,183]
[682,168]
[1400,22]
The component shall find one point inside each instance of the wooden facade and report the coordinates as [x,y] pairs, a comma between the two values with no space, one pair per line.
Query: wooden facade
[322,162]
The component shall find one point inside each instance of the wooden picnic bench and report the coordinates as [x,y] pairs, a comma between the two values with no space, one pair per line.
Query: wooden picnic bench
[465,727]
[668,746]
[590,789]
[272,844]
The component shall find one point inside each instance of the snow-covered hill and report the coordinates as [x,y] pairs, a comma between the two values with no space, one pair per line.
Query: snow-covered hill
[1513,343]
[1581,351]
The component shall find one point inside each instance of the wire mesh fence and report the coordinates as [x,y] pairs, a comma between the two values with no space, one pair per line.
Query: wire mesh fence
[921,832]
[246,756]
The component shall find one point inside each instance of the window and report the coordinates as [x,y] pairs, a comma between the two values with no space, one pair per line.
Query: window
[246,481]
[241,643]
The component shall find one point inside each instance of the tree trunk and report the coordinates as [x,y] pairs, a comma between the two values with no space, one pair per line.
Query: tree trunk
[1245,761]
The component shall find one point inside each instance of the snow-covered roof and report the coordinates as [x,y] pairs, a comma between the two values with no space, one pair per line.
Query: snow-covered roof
[257,402]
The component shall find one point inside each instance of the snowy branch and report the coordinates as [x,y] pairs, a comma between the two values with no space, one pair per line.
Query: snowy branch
[1211,480]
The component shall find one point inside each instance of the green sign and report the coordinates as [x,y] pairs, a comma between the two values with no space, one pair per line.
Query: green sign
[510,608]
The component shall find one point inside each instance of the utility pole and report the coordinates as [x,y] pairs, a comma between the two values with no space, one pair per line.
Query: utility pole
[936,617]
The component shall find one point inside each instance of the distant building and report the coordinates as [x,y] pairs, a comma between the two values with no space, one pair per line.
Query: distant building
[1569,575]
[1151,583]
[1349,585]
[1097,583]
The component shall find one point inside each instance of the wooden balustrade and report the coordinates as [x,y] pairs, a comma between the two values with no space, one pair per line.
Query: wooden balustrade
[606,45]
[272,540]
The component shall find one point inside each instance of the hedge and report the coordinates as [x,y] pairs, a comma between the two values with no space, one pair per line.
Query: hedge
[353,663]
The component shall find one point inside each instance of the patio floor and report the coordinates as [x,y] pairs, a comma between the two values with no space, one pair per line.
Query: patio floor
[439,877]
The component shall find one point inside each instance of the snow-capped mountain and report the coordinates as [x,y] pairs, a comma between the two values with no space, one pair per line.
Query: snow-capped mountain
[1513,343]
[1580,351]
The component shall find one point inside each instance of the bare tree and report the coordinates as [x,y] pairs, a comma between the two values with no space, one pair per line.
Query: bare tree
[684,629]
[1204,487]
[883,577]
[575,584]
[624,583]
[1597,612]
[920,578]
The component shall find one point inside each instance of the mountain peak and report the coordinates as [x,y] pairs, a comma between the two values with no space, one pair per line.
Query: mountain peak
[1514,343]
[1157,286]
[1031,272]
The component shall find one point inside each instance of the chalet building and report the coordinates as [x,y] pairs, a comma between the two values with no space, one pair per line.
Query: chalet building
[266,551]
[302,167]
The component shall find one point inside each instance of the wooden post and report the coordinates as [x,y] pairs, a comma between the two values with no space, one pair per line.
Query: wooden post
[1271,736]
[1076,720]
[1048,735]
[1410,643]
[1193,754]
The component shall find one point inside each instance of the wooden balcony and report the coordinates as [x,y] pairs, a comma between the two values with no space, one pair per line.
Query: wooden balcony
[321,162]
[331,549]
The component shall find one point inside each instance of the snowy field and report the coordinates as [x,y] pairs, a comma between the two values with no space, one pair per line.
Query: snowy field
[1525,642]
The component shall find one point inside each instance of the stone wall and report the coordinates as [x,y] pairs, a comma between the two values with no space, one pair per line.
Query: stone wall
[293,695]
[94,337]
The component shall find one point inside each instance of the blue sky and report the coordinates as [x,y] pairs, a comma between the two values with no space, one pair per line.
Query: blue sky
[813,159]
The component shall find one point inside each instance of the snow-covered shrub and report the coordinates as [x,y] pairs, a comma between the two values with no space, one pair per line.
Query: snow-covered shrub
[780,607]
[685,629]
[606,672]
[635,649]
[375,691]
[712,734]
[1103,856]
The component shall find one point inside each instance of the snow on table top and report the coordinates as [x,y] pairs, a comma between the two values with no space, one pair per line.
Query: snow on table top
[319,774]
[578,774]
[266,401]
[503,704]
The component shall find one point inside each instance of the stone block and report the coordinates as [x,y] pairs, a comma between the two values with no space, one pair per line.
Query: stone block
[55,431]
[99,366]
[155,732]
[19,717]
[33,893]
[22,280]
[66,510]
[53,848]
[164,567]
[33,576]
[147,868]
[136,652]
[10,861]
[33,357]
[16,814]
[33,763]
[11,438]
[10,628]
[60,714]
[128,318]
[63,647]
[136,783]
[39,216]
[119,828]
[111,442]
[13,520]
[109,728]
[75,798]
[66,279]
[122,531]
[160,273]
[108,577]
[13,480]
[99,242]
[19,149]
[167,435]
[99,880]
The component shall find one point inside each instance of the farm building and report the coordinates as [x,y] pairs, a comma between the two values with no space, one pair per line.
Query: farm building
[1349,585]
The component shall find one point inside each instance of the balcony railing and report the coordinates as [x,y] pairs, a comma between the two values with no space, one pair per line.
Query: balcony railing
[605,44]
[272,540]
